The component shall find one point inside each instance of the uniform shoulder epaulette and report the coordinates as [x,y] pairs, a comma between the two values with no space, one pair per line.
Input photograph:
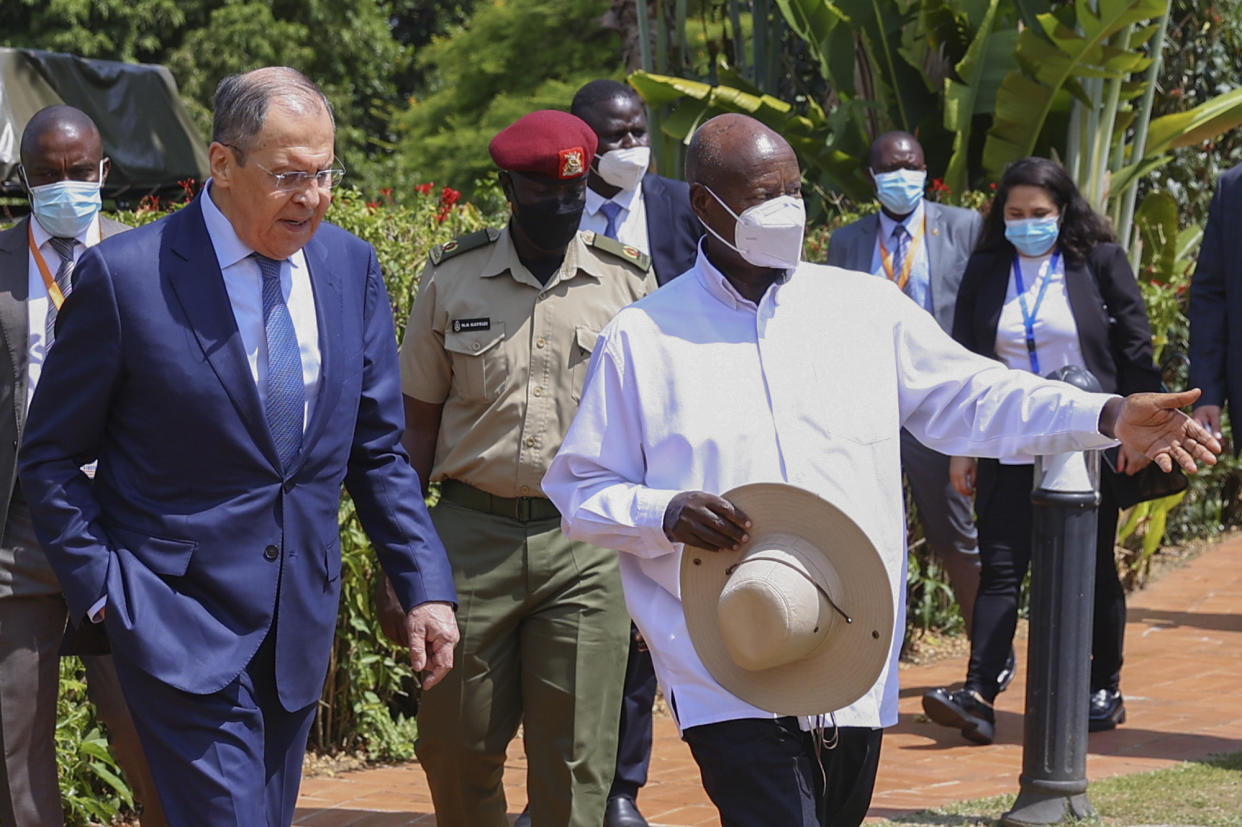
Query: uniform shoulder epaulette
[464,243]
[611,246]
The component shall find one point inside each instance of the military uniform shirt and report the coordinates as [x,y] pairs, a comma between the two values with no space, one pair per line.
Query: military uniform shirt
[507,356]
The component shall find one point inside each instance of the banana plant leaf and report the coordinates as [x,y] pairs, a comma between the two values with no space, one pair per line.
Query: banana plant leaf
[809,134]
[1055,58]
[1207,120]
[988,59]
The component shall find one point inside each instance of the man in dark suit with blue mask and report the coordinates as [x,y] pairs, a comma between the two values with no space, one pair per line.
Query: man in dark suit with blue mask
[652,214]
[229,367]
[923,246]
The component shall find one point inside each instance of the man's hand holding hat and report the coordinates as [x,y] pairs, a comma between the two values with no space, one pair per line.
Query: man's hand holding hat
[705,521]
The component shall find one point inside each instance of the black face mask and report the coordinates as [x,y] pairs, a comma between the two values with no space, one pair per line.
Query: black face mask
[549,224]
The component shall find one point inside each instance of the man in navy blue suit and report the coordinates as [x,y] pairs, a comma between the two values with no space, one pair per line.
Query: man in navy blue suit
[625,201]
[652,214]
[229,367]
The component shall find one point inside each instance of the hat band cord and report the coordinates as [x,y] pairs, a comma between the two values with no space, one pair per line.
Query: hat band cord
[729,573]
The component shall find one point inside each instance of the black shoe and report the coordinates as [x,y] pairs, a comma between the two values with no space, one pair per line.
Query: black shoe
[963,709]
[1107,710]
[1006,674]
[623,812]
[524,819]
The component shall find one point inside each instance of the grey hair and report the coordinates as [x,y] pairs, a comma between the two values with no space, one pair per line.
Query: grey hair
[242,102]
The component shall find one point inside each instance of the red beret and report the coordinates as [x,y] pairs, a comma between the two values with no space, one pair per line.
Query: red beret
[547,142]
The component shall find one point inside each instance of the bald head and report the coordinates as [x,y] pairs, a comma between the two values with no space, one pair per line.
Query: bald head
[896,150]
[242,102]
[65,123]
[728,148]
[61,143]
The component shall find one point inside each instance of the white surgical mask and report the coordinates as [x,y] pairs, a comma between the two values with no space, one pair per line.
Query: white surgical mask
[624,168]
[900,190]
[66,208]
[767,234]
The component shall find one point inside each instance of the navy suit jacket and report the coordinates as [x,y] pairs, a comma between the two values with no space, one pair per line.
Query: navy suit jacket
[673,230]
[1216,302]
[950,239]
[200,542]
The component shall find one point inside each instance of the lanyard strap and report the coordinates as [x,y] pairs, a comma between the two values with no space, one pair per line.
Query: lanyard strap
[886,258]
[53,289]
[1028,316]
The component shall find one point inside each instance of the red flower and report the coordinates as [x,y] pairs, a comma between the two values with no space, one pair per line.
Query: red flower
[424,189]
[386,192]
[372,205]
[992,186]
[187,185]
[449,196]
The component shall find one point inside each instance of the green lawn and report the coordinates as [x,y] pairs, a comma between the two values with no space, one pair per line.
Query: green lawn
[1204,793]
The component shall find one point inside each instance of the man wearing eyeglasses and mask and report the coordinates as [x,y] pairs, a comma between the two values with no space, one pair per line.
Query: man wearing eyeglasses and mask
[759,367]
[493,362]
[229,367]
[923,247]
[63,169]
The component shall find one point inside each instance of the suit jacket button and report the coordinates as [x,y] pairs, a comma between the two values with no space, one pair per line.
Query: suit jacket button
[271,553]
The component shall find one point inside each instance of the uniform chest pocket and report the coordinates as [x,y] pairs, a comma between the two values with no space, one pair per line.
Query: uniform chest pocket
[480,365]
[580,356]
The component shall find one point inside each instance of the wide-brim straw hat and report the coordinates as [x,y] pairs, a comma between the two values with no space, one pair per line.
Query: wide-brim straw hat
[799,619]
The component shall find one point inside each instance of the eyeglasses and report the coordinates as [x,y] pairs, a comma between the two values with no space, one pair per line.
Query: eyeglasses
[296,180]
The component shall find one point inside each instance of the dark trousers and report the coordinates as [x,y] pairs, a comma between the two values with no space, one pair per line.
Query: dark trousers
[1004,520]
[761,772]
[634,736]
[231,757]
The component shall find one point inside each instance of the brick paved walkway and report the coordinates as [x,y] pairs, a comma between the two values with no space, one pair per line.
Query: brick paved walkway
[1182,681]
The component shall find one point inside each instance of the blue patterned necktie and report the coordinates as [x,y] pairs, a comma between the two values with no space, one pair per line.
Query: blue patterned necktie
[900,237]
[64,248]
[285,392]
[611,210]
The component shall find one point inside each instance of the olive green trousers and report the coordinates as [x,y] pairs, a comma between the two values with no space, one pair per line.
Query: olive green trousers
[544,638]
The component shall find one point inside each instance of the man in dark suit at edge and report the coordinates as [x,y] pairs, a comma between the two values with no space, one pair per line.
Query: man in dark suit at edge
[229,367]
[1216,307]
[651,213]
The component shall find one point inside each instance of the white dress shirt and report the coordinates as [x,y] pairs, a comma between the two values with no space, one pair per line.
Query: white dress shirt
[244,283]
[1056,332]
[694,387]
[631,221]
[37,298]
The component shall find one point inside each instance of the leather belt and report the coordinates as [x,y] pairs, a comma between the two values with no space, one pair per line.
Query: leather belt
[521,509]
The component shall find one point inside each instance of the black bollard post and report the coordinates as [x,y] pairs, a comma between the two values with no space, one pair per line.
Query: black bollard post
[1053,784]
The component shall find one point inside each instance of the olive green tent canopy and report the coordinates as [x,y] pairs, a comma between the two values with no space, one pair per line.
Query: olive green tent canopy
[146,130]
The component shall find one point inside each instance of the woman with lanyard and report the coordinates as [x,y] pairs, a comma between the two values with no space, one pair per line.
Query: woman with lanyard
[1046,287]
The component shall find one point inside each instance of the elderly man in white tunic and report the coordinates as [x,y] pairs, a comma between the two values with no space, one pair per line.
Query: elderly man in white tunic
[759,367]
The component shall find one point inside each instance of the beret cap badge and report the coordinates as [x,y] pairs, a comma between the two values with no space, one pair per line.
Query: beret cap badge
[571,165]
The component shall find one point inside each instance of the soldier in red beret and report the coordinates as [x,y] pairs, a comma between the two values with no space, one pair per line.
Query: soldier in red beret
[493,363]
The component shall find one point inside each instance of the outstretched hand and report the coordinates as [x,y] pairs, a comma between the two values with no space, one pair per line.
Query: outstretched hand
[1152,425]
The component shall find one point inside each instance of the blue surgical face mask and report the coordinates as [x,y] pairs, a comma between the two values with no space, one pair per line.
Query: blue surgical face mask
[1033,236]
[900,190]
[66,208]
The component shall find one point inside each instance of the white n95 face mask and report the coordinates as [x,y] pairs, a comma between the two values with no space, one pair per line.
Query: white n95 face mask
[767,234]
[624,168]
